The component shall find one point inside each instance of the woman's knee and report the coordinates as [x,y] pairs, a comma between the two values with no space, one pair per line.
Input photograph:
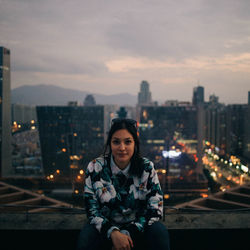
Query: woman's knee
[157,235]
[89,238]
[157,228]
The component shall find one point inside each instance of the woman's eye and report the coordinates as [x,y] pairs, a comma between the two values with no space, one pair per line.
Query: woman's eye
[116,142]
[128,142]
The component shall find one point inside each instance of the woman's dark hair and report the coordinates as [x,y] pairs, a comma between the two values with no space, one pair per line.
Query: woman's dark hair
[136,167]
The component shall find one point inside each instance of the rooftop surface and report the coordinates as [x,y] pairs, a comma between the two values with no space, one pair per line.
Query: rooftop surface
[13,198]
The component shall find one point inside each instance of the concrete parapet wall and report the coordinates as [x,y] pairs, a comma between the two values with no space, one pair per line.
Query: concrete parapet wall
[173,220]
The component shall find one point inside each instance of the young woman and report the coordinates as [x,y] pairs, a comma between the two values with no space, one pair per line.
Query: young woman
[123,196]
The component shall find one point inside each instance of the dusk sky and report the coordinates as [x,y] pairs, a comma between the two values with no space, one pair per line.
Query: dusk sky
[110,46]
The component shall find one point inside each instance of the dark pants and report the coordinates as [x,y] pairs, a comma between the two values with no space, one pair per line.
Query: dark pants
[155,237]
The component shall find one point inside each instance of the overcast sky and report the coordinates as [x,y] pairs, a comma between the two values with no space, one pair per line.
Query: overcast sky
[110,46]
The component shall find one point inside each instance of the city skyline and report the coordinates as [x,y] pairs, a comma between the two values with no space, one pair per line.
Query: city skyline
[110,47]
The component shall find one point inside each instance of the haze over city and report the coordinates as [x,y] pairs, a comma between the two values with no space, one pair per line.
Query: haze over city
[109,47]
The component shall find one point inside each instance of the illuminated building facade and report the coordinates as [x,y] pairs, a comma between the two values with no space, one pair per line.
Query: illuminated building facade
[160,126]
[215,123]
[5,113]
[70,136]
[162,131]
[246,147]
[227,128]
[236,131]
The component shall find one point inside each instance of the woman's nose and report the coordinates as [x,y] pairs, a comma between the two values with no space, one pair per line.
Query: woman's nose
[122,146]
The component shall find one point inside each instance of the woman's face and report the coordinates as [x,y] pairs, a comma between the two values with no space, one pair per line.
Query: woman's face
[122,147]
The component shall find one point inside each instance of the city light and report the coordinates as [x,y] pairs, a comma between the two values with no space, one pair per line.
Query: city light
[244,168]
[203,195]
[161,171]
[171,154]
[74,157]
[166,196]
[50,177]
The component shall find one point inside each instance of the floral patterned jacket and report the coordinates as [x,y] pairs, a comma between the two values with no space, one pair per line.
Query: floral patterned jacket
[115,199]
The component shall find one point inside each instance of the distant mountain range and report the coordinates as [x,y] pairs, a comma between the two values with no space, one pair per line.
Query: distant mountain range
[53,95]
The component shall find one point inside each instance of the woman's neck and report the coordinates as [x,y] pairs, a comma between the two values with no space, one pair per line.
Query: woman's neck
[120,165]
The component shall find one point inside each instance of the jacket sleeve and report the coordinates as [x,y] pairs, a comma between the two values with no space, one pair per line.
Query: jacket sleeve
[151,209]
[92,203]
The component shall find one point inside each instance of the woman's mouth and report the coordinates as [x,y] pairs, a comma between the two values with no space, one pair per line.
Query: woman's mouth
[122,155]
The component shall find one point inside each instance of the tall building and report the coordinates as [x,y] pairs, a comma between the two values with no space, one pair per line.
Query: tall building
[236,115]
[5,113]
[215,124]
[70,137]
[144,96]
[89,100]
[23,113]
[246,139]
[198,101]
[161,125]
[198,95]
[164,131]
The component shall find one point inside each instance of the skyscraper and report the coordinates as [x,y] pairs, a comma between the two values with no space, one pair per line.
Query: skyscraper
[144,96]
[215,123]
[5,113]
[70,134]
[198,95]
[198,101]
[246,140]
[235,137]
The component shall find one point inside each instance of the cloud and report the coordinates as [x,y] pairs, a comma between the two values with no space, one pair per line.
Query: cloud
[108,46]
[234,63]
[179,29]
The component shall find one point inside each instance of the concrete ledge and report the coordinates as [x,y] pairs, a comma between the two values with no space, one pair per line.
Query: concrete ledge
[226,220]
[173,220]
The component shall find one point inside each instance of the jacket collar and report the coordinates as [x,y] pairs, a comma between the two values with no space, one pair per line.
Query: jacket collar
[116,170]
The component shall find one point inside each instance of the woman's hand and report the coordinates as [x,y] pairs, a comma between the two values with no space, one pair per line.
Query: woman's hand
[121,241]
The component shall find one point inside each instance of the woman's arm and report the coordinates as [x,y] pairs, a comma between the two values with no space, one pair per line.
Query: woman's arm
[92,202]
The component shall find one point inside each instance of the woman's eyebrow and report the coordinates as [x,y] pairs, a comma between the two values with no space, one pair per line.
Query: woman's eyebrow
[117,138]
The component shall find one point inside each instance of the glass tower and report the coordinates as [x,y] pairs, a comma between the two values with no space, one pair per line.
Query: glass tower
[5,113]
[198,95]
